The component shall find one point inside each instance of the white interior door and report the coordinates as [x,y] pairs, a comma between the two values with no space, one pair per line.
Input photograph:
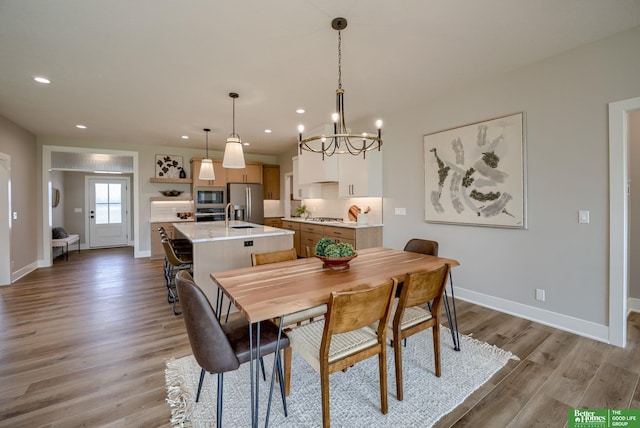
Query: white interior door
[108,212]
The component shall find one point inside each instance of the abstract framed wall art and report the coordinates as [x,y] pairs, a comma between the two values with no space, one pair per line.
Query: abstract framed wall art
[476,174]
[168,166]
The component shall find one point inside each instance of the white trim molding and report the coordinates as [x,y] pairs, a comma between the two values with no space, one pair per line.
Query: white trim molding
[574,325]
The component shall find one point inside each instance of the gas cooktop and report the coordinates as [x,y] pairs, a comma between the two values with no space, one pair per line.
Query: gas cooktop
[326,219]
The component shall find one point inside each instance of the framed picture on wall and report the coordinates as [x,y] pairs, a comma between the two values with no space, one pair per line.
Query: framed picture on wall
[168,166]
[475,174]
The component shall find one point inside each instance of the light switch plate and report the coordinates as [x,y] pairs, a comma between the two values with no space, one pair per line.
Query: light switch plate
[401,211]
[583,216]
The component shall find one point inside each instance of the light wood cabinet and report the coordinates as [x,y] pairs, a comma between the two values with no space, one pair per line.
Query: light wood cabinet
[252,173]
[359,238]
[271,181]
[218,170]
[295,226]
[273,222]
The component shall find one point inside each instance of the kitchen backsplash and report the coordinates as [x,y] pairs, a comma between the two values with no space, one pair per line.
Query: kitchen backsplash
[332,206]
[167,210]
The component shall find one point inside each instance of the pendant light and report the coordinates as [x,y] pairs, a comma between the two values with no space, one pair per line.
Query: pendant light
[233,156]
[206,167]
[342,141]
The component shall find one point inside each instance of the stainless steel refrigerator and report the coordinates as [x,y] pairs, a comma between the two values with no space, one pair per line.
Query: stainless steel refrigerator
[247,200]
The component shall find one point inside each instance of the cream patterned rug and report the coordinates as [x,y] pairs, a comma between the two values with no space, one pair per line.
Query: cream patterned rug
[354,395]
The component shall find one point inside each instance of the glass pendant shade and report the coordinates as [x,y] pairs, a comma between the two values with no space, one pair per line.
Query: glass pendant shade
[206,170]
[233,156]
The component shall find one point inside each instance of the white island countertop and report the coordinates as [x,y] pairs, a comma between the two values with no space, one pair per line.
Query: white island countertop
[209,231]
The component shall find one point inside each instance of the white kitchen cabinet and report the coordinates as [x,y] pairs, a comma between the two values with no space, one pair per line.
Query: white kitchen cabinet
[312,169]
[303,191]
[358,177]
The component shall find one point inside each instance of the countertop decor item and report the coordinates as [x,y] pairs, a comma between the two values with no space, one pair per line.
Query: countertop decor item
[334,255]
[171,192]
[342,140]
[336,263]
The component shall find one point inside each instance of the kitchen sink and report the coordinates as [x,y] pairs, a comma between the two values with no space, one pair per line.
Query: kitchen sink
[243,227]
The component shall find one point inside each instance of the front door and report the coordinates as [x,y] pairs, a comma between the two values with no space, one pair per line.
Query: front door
[108,212]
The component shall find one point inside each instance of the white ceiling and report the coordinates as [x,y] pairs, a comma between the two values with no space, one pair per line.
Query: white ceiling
[149,71]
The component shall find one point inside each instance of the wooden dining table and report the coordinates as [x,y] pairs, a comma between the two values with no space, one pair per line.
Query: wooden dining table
[274,290]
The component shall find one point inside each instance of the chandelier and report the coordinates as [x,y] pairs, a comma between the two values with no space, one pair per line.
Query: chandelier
[233,156]
[341,141]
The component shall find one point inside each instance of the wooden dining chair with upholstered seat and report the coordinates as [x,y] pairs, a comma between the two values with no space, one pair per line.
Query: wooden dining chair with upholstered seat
[430,248]
[220,348]
[410,315]
[296,318]
[344,338]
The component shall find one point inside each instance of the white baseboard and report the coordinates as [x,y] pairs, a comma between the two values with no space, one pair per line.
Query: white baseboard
[23,271]
[633,305]
[574,325]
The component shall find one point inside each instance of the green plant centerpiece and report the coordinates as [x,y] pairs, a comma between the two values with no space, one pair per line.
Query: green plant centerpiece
[334,255]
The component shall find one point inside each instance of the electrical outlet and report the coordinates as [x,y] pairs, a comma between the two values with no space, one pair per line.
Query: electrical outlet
[15,215]
[540,294]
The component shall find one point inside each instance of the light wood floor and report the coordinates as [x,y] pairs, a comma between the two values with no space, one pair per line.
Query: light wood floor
[84,343]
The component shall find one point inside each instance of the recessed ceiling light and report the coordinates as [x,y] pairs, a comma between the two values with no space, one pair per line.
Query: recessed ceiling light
[41,79]
[244,143]
[185,137]
[267,131]
[81,126]
[300,111]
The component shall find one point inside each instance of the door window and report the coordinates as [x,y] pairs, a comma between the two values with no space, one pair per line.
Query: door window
[108,203]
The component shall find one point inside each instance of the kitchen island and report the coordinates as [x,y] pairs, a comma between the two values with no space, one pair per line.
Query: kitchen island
[218,248]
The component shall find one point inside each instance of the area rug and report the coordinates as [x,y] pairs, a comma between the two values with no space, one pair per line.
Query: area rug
[354,394]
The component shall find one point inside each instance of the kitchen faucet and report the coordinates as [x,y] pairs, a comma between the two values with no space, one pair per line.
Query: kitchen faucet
[226,214]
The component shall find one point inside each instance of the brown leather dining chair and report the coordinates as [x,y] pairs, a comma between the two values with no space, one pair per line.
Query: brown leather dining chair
[410,316]
[347,321]
[422,246]
[220,348]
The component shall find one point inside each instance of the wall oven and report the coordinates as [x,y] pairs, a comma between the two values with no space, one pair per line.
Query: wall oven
[209,203]
[209,196]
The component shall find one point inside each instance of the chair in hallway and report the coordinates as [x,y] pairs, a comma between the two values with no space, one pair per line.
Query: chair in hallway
[344,338]
[409,315]
[221,348]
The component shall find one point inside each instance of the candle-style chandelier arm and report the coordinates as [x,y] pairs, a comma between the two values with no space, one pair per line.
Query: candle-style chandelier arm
[340,141]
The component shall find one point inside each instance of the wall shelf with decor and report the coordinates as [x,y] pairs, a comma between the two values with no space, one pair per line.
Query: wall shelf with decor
[171,180]
[186,198]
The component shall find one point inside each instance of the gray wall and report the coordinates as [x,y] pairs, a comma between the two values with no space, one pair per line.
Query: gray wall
[21,146]
[565,103]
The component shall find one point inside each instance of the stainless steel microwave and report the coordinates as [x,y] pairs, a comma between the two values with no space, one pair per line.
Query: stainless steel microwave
[209,196]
